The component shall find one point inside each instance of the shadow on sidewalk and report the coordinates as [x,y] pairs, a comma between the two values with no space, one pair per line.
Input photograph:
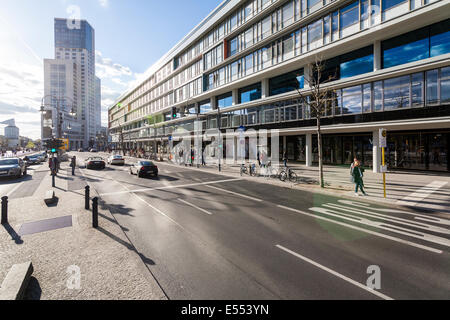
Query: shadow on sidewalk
[33,291]
[17,239]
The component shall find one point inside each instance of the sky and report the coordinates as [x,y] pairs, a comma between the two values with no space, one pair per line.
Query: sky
[131,35]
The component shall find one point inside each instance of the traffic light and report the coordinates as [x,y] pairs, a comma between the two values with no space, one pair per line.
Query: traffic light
[59,144]
[174,113]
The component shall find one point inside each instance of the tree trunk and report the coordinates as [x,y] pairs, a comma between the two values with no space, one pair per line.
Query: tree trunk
[319,146]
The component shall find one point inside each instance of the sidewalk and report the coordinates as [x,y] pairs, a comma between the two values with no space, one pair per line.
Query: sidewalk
[424,190]
[110,268]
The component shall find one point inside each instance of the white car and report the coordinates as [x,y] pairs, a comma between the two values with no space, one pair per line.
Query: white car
[116,160]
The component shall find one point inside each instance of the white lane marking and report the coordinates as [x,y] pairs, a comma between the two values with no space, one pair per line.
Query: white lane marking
[194,206]
[169,187]
[14,189]
[337,274]
[416,197]
[236,194]
[416,216]
[413,244]
[384,217]
[385,226]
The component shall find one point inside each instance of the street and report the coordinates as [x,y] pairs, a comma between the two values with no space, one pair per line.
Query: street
[208,236]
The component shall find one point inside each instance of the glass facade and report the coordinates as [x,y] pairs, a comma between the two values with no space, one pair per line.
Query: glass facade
[224,100]
[420,44]
[250,93]
[286,82]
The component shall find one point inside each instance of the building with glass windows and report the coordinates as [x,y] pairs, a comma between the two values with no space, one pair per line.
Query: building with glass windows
[71,85]
[388,62]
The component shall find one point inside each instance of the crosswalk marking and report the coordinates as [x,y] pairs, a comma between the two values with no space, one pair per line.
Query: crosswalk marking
[418,196]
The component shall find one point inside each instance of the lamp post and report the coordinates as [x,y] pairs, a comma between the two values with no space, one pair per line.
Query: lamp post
[219,120]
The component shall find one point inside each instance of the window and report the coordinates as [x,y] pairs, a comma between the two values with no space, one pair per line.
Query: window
[396,93]
[440,38]
[233,22]
[205,106]
[387,4]
[432,88]
[225,100]
[286,82]
[314,33]
[249,64]
[288,47]
[445,85]
[357,62]
[250,93]
[417,89]
[378,96]
[367,98]
[351,100]
[248,36]
[349,15]
[233,47]
[248,11]
[288,14]
[266,27]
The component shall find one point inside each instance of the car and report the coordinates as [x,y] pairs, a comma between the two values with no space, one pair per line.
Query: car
[116,160]
[33,159]
[93,150]
[12,167]
[95,163]
[64,157]
[44,155]
[81,150]
[144,168]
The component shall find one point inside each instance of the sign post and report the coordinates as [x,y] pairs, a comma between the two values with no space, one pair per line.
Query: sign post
[383,145]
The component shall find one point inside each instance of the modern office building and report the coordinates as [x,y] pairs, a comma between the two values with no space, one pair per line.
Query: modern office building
[389,62]
[70,84]
[98,105]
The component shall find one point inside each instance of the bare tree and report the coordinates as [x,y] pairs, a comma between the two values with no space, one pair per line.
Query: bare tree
[316,98]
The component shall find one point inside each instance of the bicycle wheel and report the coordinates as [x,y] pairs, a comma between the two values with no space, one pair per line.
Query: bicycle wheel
[283,176]
[293,177]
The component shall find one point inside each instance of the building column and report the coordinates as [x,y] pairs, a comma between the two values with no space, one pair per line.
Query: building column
[265,88]
[376,151]
[235,97]
[377,55]
[309,149]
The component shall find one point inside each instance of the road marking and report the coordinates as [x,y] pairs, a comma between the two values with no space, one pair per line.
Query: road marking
[194,206]
[384,226]
[413,244]
[390,210]
[418,196]
[169,187]
[236,194]
[14,189]
[337,274]
[375,215]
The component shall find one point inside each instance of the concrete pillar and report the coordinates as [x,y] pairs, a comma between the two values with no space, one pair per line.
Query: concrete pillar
[377,55]
[376,151]
[265,88]
[235,94]
[309,150]
[213,103]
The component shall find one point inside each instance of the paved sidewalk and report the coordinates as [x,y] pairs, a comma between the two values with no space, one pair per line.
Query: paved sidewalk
[110,268]
[424,190]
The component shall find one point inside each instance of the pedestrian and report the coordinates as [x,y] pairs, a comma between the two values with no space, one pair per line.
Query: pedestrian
[258,156]
[285,160]
[203,158]
[358,174]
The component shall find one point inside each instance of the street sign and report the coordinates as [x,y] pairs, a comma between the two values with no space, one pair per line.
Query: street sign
[65,144]
[383,169]
[383,138]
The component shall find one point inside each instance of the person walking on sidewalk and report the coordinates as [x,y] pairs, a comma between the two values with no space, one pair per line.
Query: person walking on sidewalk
[358,174]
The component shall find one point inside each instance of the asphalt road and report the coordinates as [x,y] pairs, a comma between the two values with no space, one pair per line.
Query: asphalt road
[24,186]
[207,236]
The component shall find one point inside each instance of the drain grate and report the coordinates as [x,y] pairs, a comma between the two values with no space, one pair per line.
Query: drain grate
[45,225]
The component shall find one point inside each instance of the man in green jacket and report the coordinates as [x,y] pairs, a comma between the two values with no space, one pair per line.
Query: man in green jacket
[358,173]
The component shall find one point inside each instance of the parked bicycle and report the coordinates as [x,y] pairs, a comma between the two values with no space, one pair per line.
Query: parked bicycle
[271,172]
[288,173]
[251,170]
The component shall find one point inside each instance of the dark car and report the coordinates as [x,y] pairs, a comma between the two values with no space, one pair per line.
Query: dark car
[34,159]
[93,150]
[81,150]
[95,163]
[144,168]
[13,167]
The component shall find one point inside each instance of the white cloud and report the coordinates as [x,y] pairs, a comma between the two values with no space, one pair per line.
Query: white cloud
[104,3]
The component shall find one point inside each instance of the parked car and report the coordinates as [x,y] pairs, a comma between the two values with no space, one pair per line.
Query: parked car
[116,160]
[81,150]
[144,168]
[13,167]
[93,150]
[34,159]
[95,163]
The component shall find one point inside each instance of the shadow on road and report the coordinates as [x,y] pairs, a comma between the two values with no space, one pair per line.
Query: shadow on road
[14,236]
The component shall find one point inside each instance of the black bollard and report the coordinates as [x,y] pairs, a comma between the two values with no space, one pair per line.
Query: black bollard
[5,210]
[95,212]
[86,197]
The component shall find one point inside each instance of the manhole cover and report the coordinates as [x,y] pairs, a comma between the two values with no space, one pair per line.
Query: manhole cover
[45,225]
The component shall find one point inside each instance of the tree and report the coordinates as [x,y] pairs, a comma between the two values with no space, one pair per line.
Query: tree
[30,145]
[316,97]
